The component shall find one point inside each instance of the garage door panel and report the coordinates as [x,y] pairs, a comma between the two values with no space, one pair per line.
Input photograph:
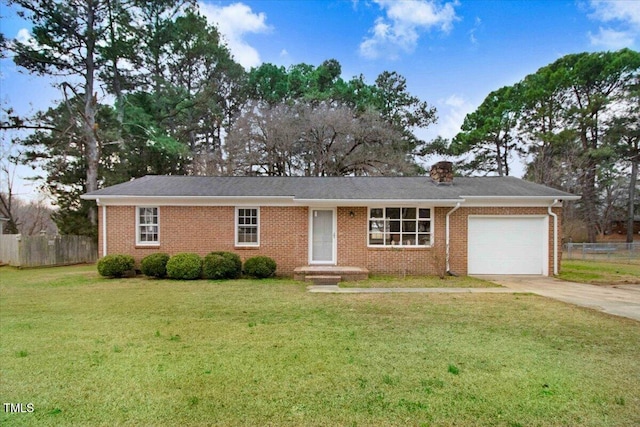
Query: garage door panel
[506,245]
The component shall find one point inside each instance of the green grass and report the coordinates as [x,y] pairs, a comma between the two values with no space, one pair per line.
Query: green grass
[91,351]
[600,272]
[383,281]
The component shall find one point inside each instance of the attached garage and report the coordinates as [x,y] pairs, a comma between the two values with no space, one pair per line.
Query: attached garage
[508,245]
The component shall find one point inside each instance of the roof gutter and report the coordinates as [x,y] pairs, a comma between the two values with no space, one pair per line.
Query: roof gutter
[375,202]
[447,265]
[258,200]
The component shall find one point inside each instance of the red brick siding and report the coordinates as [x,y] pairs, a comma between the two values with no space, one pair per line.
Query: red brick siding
[203,229]
[284,237]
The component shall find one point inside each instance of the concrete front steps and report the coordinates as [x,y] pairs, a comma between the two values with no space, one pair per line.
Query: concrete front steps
[329,274]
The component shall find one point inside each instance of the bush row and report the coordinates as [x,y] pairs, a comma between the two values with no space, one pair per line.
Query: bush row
[189,266]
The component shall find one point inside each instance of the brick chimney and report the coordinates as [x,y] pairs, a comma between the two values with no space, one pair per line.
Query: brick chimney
[442,173]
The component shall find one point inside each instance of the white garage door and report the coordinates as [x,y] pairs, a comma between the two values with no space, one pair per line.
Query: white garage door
[507,245]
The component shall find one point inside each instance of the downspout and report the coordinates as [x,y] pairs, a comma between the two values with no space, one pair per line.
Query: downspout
[104,228]
[448,267]
[555,237]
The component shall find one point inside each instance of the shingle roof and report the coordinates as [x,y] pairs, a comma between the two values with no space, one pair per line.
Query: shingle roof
[329,188]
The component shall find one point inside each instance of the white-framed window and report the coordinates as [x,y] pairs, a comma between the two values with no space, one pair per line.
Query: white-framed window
[400,226]
[247,226]
[147,225]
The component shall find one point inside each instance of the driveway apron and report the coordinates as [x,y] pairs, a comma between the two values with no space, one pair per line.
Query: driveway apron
[622,300]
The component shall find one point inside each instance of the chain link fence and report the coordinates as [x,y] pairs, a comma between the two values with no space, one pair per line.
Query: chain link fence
[615,252]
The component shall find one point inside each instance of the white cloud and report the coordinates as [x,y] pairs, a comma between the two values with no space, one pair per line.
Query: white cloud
[625,11]
[623,18]
[612,39]
[234,22]
[472,32]
[400,28]
[24,36]
[452,111]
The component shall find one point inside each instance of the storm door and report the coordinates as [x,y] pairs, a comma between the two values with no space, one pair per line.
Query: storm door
[322,245]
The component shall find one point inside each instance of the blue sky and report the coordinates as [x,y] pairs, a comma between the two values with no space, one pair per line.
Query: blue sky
[452,53]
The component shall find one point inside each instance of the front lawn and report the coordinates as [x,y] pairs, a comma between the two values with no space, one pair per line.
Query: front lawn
[91,351]
[600,272]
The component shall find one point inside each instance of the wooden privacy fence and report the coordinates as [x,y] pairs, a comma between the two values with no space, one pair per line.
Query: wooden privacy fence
[40,251]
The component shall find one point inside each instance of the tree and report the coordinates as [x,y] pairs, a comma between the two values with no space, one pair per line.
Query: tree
[487,133]
[592,82]
[264,141]
[7,198]
[153,35]
[557,119]
[549,145]
[146,147]
[403,111]
[336,142]
[314,140]
[301,82]
[200,90]
[59,148]
[124,47]
[325,135]
[118,50]
[268,83]
[624,135]
[28,217]
[65,43]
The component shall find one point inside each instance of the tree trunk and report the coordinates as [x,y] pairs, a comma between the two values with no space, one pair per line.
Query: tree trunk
[589,195]
[632,199]
[499,159]
[117,85]
[589,199]
[92,152]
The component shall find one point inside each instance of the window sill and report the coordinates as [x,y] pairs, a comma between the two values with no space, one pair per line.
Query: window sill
[246,248]
[409,248]
[147,246]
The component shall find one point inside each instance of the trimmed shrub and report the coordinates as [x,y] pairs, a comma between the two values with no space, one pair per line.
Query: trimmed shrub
[222,265]
[184,266]
[237,263]
[260,267]
[216,266]
[116,265]
[155,265]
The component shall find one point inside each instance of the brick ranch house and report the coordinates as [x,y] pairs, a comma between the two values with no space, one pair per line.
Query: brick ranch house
[388,225]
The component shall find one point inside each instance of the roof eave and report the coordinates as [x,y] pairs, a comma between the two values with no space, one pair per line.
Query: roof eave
[547,197]
[129,200]
[378,202]
[529,201]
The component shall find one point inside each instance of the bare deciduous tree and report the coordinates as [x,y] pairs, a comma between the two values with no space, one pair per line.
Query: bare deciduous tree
[314,140]
[31,217]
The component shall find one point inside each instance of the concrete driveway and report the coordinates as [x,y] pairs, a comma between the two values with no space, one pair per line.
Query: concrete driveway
[620,300]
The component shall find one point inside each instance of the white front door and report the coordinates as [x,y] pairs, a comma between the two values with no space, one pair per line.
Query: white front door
[322,236]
